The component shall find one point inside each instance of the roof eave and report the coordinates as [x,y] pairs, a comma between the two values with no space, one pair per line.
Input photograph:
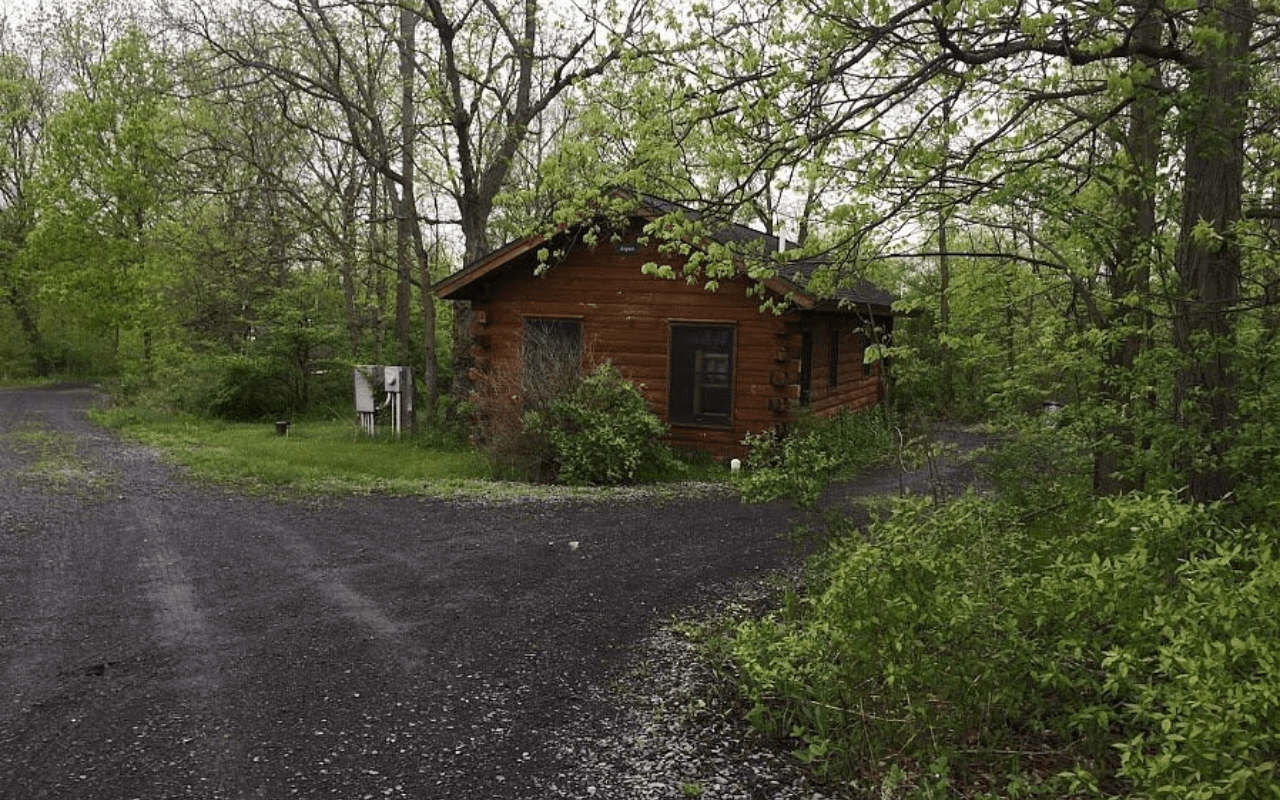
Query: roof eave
[450,287]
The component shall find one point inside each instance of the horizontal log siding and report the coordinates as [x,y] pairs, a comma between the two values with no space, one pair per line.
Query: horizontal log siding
[625,319]
[853,389]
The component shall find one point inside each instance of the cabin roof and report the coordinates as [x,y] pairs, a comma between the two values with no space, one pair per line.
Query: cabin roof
[790,280]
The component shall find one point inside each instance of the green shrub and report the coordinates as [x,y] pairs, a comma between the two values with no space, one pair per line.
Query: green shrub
[245,389]
[1125,648]
[800,464]
[1166,643]
[601,432]
[1040,465]
[905,640]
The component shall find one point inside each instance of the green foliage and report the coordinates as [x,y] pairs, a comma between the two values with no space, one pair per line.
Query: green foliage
[1118,647]
[247,388]
[600,432]
[1041,465]
[798,465]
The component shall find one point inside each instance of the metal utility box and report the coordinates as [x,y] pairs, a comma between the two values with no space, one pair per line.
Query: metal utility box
[365,403]
[397,385]
[391,379]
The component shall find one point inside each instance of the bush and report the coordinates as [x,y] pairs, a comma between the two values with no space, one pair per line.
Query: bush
[600,431]
[241,389]
[1127,649]
[800,464]
[1043,464]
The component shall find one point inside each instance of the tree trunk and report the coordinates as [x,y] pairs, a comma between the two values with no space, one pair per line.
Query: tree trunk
[377,266]
[409,249]
[1114,470]
[347,266]
[30,331]
[430,373]
[475,221]
[1208,259]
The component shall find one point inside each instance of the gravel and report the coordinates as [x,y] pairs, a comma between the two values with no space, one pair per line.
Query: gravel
[161,639]
[680,734]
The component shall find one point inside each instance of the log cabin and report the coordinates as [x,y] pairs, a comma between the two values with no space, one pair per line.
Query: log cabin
[714,365]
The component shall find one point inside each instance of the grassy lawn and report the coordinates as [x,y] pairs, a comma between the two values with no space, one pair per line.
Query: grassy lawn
[315,456]
[335,457]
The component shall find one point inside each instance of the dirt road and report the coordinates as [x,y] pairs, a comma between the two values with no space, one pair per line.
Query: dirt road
[160,639]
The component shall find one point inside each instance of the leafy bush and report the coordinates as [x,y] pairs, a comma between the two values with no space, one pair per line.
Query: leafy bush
[800,464]
[1041,465]
[600,431]
[247,388]
[1127,649]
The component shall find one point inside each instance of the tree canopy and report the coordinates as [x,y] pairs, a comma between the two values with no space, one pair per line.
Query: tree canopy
[1079,200]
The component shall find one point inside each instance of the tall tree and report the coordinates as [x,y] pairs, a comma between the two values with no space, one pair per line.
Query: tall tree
[1216,114]
[1040,87]
[466,94]
[26,97]
[107,179]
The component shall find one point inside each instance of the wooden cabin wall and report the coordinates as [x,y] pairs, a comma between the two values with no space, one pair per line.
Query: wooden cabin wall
[625,319]
[857,387]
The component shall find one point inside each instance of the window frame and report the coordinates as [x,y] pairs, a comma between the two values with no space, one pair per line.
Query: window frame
[534,396]
[833,358]
[691,375]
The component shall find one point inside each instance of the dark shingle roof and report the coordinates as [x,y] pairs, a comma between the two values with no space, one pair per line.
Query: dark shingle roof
[798,275]
[793,277]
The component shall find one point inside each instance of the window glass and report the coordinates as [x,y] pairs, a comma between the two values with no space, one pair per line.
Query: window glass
[701,389]
[833,371]
[552,353]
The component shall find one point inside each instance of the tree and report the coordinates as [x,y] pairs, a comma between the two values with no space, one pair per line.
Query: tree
[466,96]
[1039,93]
[25,102]
[106,181]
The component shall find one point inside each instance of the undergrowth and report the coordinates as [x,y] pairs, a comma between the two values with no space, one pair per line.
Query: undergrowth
[1035,643]
[600,431]
[799,464]
[574,429]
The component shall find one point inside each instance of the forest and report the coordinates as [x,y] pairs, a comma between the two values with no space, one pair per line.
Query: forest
[219,206]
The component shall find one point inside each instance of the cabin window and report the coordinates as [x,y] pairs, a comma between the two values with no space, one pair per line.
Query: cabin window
[833,358]
[806,367]
[552,354]
[701,388]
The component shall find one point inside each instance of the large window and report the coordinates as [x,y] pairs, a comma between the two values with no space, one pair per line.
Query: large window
[552,358]
[701,389]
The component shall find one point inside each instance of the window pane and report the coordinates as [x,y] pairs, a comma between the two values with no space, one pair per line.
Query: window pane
[701,390]
[552,359]
[833,353]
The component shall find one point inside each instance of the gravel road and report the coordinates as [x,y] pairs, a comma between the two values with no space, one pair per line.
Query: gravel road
[163,639]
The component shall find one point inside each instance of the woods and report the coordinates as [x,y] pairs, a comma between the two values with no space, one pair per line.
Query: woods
[195,189]
[218,208]
[200,196]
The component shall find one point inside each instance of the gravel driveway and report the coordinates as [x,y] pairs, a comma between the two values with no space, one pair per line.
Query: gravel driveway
[161,639]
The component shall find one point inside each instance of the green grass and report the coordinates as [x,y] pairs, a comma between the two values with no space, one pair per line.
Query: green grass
[52,460]
[315,456]
[335,457]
